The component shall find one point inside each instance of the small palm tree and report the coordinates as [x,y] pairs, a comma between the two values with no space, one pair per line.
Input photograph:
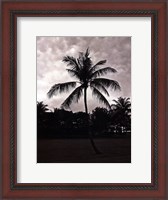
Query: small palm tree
[88,75]
[41,108]
[122,110]
[123,105]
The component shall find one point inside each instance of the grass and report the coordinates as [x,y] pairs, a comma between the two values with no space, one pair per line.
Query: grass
[114,150]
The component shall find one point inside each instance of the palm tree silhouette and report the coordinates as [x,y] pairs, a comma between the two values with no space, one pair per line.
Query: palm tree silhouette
[41,108]
[122,105]
[88,76]
[122,109]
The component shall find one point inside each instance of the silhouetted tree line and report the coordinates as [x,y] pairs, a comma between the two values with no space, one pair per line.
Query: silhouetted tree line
[101,122]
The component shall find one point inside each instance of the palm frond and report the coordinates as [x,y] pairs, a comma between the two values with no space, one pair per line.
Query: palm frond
[73,72]
[80,64]
[71,61]
[103,71]
[99,86]
[101,62]
[117,102]
[94,67]
[108,83]
[61,87]
[100,97]
[41,107]
[73,97]
[87,52]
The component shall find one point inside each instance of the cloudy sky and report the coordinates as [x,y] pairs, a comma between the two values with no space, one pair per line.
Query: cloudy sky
[51,69]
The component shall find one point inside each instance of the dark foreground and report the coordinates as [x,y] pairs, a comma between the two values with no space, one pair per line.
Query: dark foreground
[114,150]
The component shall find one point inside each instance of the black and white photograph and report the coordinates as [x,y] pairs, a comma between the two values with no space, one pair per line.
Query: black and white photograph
[83,99]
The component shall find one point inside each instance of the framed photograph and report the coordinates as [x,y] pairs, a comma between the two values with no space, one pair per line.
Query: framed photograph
[84,99]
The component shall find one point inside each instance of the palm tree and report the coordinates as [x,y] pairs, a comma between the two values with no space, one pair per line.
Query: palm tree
[41,117]
[122,104]
[41,108]
[88,76]
[122,109]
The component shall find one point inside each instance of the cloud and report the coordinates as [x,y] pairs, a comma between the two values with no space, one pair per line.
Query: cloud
[51,69]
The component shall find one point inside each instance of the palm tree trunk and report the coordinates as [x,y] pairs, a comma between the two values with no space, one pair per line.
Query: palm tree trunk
[90,133]
[85,100]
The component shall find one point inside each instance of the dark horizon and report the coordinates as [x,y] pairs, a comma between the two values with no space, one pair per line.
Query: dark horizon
[65,137]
